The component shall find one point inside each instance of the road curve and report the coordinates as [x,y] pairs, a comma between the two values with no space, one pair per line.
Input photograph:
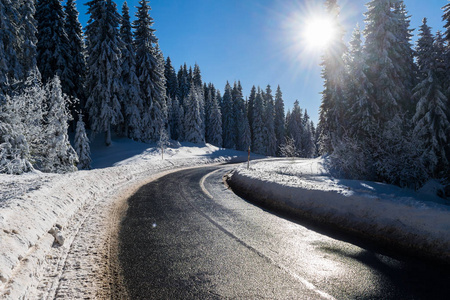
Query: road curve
[186,236]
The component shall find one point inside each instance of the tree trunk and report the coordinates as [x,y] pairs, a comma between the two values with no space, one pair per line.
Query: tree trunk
[108,136]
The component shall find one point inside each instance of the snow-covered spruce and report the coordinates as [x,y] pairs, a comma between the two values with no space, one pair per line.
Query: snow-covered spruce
[104,84]
[82,145]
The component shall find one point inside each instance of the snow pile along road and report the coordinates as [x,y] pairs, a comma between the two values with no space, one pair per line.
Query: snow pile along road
[76,208]
[418,223]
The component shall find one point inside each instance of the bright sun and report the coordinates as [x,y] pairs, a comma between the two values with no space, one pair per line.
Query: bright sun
[319,32]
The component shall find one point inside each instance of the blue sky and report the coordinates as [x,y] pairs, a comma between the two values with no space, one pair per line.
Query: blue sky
[256,41]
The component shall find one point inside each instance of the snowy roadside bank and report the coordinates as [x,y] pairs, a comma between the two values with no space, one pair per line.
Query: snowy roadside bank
[401,218]
[31,262]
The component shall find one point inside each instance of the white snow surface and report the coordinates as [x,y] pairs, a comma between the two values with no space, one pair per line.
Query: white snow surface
[32,265]
[307,185]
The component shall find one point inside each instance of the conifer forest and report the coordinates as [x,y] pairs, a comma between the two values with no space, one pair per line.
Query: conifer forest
[384,115]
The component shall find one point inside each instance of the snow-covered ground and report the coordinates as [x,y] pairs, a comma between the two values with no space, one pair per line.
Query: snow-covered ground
[417,221]
[83,210]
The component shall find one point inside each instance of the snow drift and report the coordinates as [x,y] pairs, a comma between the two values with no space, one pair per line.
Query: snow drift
[34,204]
[416,223]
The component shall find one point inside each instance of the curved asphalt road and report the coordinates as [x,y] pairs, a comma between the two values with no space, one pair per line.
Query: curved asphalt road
[185,236]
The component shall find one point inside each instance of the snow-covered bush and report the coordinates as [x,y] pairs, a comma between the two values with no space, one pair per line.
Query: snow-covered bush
[14,150]
[351,159]
[33,130]
[400,157]
[288,148]
[163,140]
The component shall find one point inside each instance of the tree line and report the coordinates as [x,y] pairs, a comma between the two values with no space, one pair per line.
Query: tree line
[113,77]
[385,111]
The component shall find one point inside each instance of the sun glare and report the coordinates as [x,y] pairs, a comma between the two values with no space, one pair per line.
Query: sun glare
[318,33]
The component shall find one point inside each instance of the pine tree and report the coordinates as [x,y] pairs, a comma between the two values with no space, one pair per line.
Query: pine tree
[280,121]
[131,101]
[431,121]
[269,126]
[228,119]
[192,119]
[104,84]
[150,72]
[82,145]
[76,57]
[333,101]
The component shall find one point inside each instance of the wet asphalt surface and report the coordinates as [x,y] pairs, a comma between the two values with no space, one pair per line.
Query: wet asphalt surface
[186,236]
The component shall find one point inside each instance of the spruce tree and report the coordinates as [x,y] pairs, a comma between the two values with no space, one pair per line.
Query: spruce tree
[294,127]
[228,119]
[10,69]
[405,59]
[150,72]
[76,57]
[171,79]
[104,84]
[241,132]
[208,92]
[333,101]
[183,84]
[361,110]
[192,119]
[82,145]
[15,156]
[27,52]
[177,120]
[53,43]
[308,144]
[131,101]
[446,19]
[250,109]
[280,121]
[159,108]
[198,85]
[431,121]
[384,71]
[258,124]
[59,156]
[214,126]
[269,124]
